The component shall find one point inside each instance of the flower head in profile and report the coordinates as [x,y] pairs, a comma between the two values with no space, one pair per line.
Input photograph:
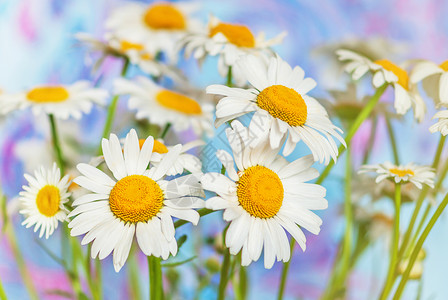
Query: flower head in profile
[134,201]
[229,41]
[434,80]
[263,198]
[162,23]
[386,72]
[282,108]
[442,124]
[162,106]
[42,200]
[418,175]
[63,101]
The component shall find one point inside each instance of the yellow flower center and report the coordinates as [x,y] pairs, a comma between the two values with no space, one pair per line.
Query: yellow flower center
[402,172]
[48,94]
[146,56]
[260,192]
[283,103]
[164,16]
[136,198]
[444,65]
[178,102]
[239,35]
[158,146]
[47,200]
[403,78]
[126,46]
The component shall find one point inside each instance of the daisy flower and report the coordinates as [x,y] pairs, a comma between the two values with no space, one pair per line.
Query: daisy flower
[42,200]
[63,101]
[162,23]
[230,42]
[442,123]
[162,106]
[434,80]
[134,202]
[281,108]
[384,71]
[417,175]
[264,197]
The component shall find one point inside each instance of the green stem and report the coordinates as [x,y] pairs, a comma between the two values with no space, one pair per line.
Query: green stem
[57,144]
[134,277]
[371,141]
[155,277]
[394,248]
[99,279]
[393,142]
[224,275]
[362,116]
[229,77]
[419,246]
[243,284]
[418,230]
[2,292]
[283,280]
[113,106]
[165,130]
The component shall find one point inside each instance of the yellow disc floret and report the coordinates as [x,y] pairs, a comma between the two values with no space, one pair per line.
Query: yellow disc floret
[401,172]
[48,200]
[444,66]
[48,94]
[283,103]
[260,192]
[126,46]
[164,16]
[403,78]
[136,198]
[158,146]
[178,102]
[239,35]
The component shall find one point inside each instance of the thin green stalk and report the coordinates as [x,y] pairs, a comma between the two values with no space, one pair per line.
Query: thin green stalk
[2,292]
[419,246]
[394,248]
[165,130]
[362,116]
[155,278]
[371,141]
[229,77]
[224,275]
[56,144]
[285,270]
[243,284]
[99,278]
[134,277]
[393,141]
[418,230]
[113,106]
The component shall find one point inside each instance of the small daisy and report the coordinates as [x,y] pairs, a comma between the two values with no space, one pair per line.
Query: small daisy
[263,198]
[417,175]
[434,80]
[134,202]
[162,106]
[162,23]
[281,106]
[230,42]
[384,71]
[42,201]
[64,101]
[442,124]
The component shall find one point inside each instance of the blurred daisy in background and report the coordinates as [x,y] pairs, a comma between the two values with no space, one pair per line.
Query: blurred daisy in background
[230,42]
[442,124]
[384,71]
[63,101]
[162,106]
[161,23]
[434,80]
[42,201]
[282,108]
[134,202]
[263,197]
[418,175]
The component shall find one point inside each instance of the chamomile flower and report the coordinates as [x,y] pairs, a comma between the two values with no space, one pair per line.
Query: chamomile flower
[264,197]
[162,106]
[418,175]
[281,108]
[136,201]
[442,123]
[384,71]
[162,23]
[230,42]
[42,201]
[434,80]
[63,101]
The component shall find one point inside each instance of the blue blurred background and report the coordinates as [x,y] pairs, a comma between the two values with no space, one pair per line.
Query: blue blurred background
[37,46]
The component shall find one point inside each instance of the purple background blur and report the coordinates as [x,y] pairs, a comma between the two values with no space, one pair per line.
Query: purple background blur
[37,46]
